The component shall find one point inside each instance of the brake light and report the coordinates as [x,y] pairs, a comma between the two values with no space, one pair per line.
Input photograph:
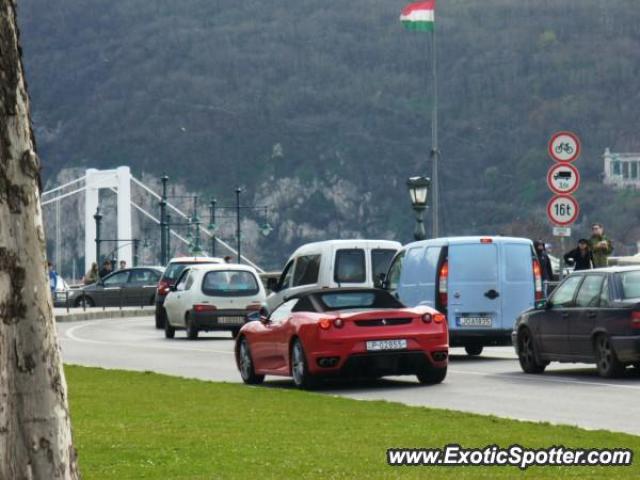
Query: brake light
[325,324]
[443,279]
[486,240]
[164,287]
[635,319]
[426,318]
[204,307]
[439,318]
[537,279]
[253,307]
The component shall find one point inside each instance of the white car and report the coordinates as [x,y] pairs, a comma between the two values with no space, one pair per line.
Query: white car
[212,298]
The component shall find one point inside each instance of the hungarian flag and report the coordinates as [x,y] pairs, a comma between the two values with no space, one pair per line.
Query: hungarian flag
[419,16]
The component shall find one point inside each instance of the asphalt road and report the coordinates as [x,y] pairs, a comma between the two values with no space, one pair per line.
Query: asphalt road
[492,383]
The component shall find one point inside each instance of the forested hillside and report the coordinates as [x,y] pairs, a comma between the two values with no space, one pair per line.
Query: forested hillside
[322,109]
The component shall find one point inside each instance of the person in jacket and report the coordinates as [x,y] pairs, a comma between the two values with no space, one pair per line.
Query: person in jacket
[580,257]
[544,260]
[601,246]
[106,269]
[92,275]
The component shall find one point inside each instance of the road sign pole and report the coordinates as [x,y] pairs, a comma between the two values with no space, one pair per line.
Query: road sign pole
[561,258]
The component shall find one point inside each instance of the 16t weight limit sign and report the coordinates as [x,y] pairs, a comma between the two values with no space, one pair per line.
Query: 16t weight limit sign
[563,210]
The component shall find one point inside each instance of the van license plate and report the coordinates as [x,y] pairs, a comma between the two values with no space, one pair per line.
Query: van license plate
[231,320]
[474,321]
[377,345]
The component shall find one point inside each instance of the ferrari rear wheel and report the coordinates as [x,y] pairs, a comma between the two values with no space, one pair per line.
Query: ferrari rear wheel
[430,375]
[299,367]
[245,365]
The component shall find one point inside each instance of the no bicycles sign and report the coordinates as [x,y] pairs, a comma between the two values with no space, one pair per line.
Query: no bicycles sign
[564,147]
[563,179]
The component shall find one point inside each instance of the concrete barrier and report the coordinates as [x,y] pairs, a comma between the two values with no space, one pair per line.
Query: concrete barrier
[97,313]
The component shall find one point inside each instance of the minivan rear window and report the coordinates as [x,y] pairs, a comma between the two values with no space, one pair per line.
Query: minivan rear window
[350,266]
[478,262]
[380,260]
[229,283]
[518,262]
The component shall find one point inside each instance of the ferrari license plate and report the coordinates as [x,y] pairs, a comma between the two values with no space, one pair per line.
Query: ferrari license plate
[377,345]
[474,321]
[230,320]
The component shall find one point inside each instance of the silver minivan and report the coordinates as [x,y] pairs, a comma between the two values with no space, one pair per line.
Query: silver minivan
[482,284]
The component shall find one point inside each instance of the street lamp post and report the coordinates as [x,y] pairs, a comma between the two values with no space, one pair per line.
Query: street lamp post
[164,234]
[212,225]
[98,218]
[238,191]
[418,190]
[195,220]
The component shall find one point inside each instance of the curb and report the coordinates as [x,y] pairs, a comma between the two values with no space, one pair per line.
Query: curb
[99,314]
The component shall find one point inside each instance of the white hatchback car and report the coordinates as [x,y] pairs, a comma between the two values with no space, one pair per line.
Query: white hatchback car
[212,298]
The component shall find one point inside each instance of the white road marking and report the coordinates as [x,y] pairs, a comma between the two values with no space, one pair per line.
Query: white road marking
[545,379]
[71,335]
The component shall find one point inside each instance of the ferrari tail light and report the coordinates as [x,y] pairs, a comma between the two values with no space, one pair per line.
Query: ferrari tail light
[635,319]
[537,279]
[325,324]
[439,318]
[443,280]
[426,318]
[204,307]
[338,323]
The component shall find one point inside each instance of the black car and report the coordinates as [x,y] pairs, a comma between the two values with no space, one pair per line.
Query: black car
[592,316]
[130,287]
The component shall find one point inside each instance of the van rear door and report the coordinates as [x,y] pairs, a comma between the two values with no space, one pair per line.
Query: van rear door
[473,293]
[517,290]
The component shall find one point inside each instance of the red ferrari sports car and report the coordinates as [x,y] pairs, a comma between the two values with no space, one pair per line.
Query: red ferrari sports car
[350,332]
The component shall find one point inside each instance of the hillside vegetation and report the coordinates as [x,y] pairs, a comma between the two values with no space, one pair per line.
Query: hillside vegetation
[322,109]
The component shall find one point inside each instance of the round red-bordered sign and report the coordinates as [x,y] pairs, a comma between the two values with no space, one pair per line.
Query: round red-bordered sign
[563,178]
[563,210]
[564,147]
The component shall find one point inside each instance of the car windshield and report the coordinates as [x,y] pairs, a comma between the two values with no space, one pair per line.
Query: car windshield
[357,300]
[229,283]
[630,285]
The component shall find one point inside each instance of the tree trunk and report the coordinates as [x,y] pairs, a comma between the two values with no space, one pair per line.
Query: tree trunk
[35,428]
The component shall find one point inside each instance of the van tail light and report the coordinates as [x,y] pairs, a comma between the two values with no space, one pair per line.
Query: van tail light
[204,307]
[443,279]
[439,318]
[635,319]
[164,287]
[537,280]
[253,307]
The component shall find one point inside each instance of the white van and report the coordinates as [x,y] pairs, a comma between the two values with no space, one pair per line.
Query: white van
[482,284]
[330,264]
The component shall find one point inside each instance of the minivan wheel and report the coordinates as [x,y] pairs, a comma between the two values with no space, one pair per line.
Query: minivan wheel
[245,364]
[299,367]
[473,350]
[527,353]
[606,360]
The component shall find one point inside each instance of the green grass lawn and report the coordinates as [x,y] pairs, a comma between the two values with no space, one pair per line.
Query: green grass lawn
[145,425]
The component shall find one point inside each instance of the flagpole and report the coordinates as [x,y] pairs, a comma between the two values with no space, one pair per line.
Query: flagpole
[435,153]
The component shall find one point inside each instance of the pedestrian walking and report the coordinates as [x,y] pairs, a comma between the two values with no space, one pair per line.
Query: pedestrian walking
[601,246]
[92,275]
[580,257]
[544,260]
[106,269]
